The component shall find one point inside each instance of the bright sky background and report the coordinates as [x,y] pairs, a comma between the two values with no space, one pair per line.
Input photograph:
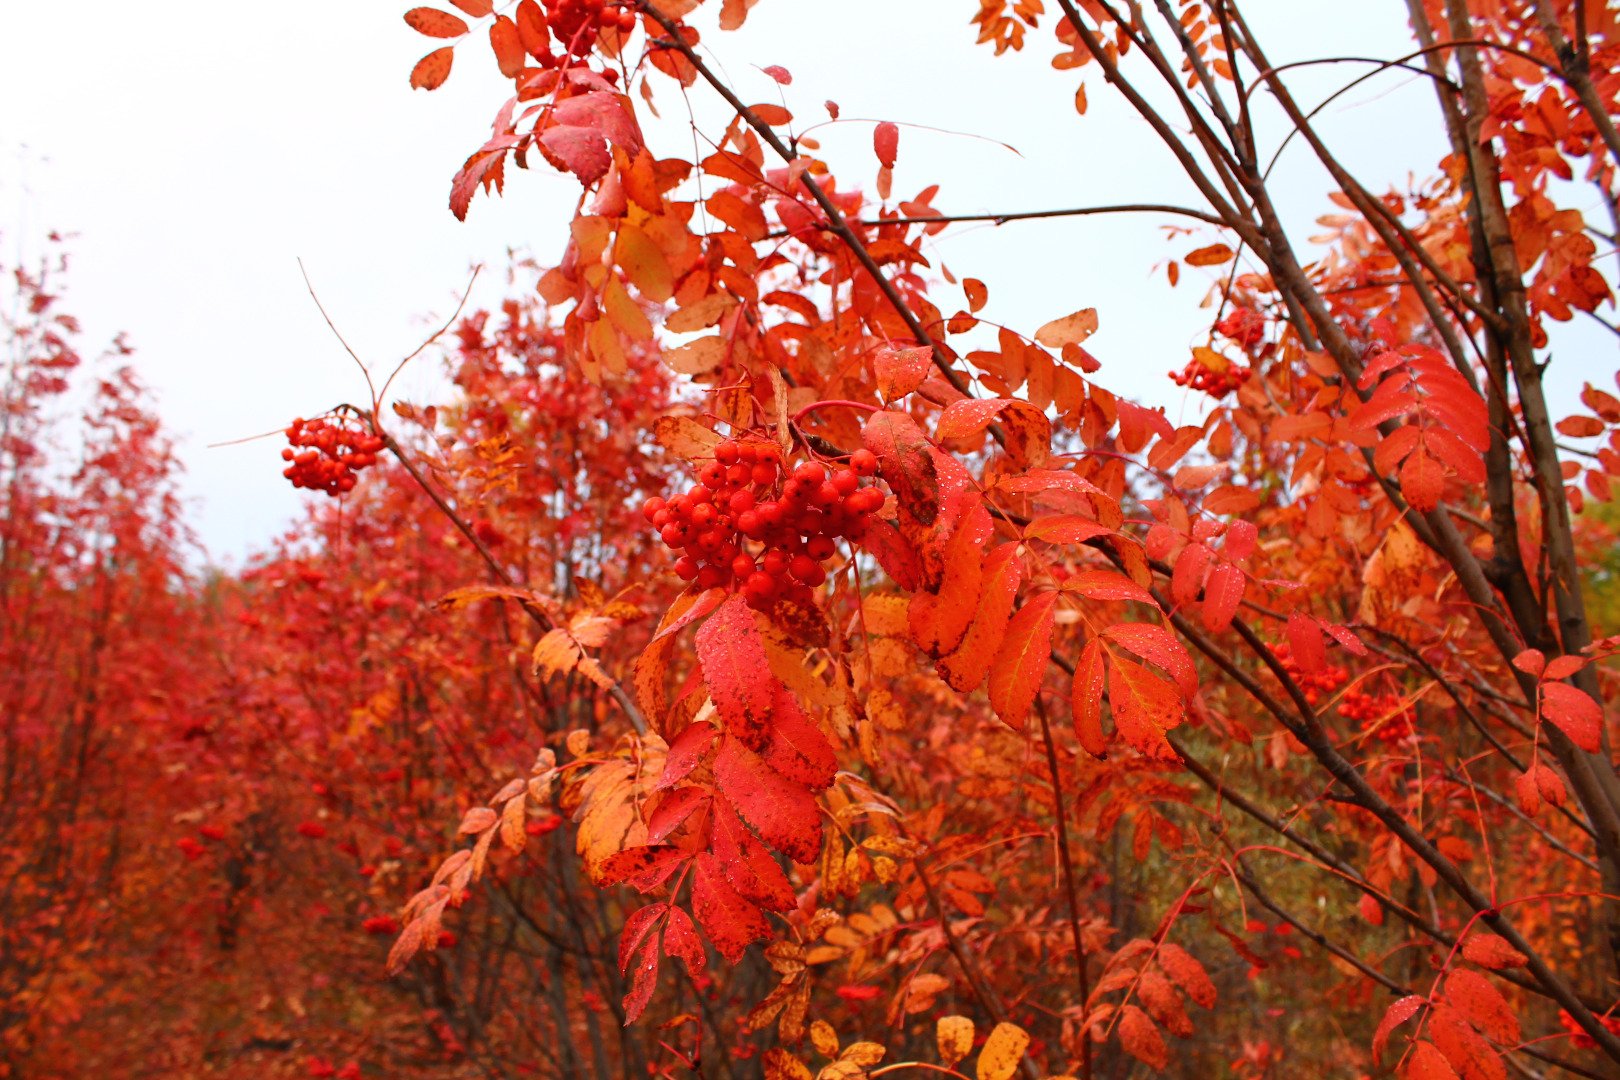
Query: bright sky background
[199,150]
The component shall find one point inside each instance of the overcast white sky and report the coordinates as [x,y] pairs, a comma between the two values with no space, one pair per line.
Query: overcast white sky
[198,150]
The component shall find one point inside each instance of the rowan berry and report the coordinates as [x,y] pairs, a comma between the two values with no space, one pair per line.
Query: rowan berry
[864,462]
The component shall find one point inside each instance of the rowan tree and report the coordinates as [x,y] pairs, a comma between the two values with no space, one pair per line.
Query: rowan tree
[1014,741]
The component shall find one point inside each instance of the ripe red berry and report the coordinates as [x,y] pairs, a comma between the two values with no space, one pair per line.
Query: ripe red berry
[846,481]
[726,453]
[825,494]
[742,565]
[760,585]
[739,473]
[747,452]
[803,567]
[819,547]
[751,524]
[741,501]
[651,507]
[686,568]
[703,514]
[712,475]
[712,577]
[810,474]
[864,462]
[673,535]
[775,562]
[864,501]
[763,472]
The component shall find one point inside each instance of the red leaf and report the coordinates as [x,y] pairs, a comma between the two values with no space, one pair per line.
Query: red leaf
[779,73]
[1305,643]
[1427,1063]
[893,553]
[737,671]
[1144,706]
[476,8]
[1188,576]
[1483,1004]
[1016,674]
[798,750]
[968,417]
[673,810]
[431,71]
[1490,951]
[681,941]
[1463,1048]
[1394,1016]
[783,813]
[730,921]
[1155,643]
[689,748]
[637,929]
[644,867]
[1222,594]
[905,463]
[747,865]
[642,972]
[1085,698]
[1187,973]
[1575,714]
[965,669]
[1140,1037]
[435,23]
[1108,585]
[582,151]
[886,141]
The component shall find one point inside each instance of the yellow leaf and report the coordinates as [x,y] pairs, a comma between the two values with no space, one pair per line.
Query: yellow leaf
[644,264]
[824,1038]
[1002,1052]
[955,1037]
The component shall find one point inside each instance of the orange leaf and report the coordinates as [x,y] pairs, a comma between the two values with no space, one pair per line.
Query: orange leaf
[431,71]
[1085,698]
[968,417]
[1015,676]
[1155,643]
[435,23]
[900,371]
[1144,706]
[965,669]
[1069,330]
[1213,255]
[508,47]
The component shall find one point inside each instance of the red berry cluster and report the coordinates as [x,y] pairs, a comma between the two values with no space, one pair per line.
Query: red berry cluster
[1217,384]
[1245,326]
[1385,715]
[1315,683]
[744,525]
[575,24]
[325,456]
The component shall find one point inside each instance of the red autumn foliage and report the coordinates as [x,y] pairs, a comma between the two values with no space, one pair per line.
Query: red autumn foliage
[984,719]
